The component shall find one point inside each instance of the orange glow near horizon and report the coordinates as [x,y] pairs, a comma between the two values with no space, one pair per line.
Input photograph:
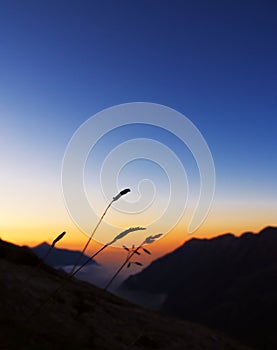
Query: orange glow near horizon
[32,217]
[75,239]
[40,222]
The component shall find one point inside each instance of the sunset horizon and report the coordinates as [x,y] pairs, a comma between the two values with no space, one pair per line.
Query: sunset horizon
[171,119]
[138,187]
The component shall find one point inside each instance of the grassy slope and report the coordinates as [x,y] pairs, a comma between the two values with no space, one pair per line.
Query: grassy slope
[81,315]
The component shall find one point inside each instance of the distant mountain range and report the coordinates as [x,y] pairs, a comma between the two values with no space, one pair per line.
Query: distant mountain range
[228,282]
[42,308]
[60,257]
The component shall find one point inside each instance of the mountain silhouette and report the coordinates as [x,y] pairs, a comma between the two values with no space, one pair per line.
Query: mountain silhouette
[227,282]
[60,257]
[34,315]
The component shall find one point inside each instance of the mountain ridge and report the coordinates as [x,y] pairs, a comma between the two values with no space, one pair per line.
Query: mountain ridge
[59,256]
[227,282]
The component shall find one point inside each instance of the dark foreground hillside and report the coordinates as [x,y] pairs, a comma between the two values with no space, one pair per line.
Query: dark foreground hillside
[228,283]
[81,316]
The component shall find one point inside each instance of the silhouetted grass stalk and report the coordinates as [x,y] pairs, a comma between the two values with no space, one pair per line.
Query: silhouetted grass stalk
[57,239]
[119,236]
[119,195]
[44,258]
[130,254]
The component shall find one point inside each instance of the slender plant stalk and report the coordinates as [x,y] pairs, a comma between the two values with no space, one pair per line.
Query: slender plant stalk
[44,258]
[148,240]
[89,240]
[88,260]
[129,256]
[57,239]
[118,237]
[141,333]
[120,194]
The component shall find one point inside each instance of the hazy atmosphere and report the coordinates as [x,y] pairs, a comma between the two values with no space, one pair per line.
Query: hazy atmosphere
[149,126]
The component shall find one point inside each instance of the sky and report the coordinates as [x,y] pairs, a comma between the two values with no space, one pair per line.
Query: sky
[62,62]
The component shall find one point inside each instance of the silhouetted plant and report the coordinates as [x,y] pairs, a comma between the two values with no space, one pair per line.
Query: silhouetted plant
[118,237]
[57,239]
[130,253]
[44,258]
[118,196]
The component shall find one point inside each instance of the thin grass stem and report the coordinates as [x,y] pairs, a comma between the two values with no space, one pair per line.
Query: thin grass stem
[119,195]
[128,258]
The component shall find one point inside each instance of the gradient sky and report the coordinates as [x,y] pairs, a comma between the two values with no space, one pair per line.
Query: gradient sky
[63,61]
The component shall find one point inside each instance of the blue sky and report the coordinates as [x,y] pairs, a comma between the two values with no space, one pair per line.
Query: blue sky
[63,61]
